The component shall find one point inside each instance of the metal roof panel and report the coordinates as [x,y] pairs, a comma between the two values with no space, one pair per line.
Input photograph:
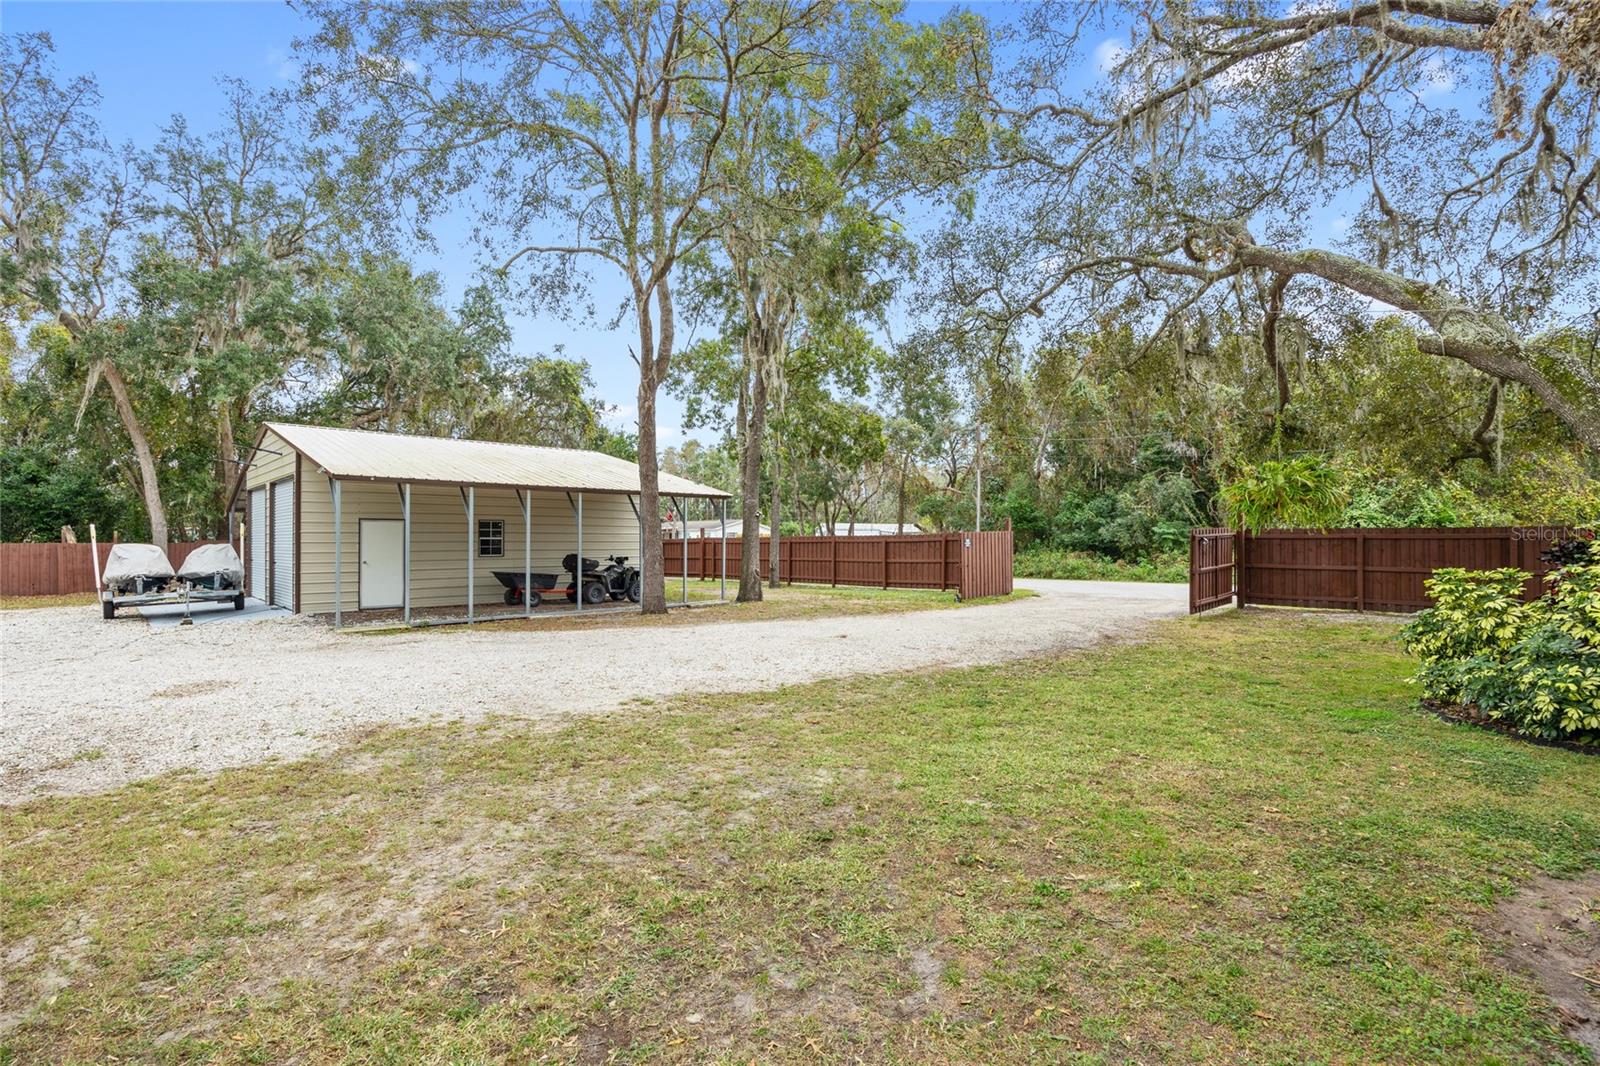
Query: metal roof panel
[371,455]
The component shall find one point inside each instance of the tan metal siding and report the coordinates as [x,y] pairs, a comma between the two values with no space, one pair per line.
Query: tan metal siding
[266,467]
[439,538]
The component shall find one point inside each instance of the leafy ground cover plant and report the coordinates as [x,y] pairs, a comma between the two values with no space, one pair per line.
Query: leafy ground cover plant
[1532,667]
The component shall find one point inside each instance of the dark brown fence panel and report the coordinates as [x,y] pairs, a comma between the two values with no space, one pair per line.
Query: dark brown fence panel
[911,561]
[63,569]
[1211,569]
[1371,569]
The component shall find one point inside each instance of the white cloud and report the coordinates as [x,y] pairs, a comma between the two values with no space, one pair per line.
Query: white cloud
[283,68]
[1108,53]
[1437,77]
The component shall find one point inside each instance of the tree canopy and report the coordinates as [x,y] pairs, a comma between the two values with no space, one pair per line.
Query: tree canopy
[1104,272]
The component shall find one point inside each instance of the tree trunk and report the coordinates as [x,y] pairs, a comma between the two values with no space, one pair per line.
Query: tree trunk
[1269,338]
[652,569]
[229,470]
[752,426]
[149,485]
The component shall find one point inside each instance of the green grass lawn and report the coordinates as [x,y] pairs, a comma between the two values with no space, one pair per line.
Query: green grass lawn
[789,601]
[852,599]
[1237,841]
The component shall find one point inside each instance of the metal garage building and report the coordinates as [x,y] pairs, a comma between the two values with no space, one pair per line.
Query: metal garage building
[340,520]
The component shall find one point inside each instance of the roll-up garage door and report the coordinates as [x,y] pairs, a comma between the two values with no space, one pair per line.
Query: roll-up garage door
[258,543]
[283,544]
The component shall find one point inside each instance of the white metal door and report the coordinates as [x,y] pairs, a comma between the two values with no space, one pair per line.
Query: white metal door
[382,552]
[283,544]
[258,543]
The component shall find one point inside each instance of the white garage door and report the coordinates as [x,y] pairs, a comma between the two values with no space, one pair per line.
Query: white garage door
[258,543]
[283,544]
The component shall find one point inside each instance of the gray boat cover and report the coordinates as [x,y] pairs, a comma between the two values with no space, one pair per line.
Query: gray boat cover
[128,562]
[213,559]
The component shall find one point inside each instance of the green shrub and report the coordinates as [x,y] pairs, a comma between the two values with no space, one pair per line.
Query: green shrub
[1534,666]
[1088,566]
[1285,494]
[1379,501]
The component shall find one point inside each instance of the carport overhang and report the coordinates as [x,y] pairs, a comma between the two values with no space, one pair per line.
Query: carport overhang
[525,502]
[606,480]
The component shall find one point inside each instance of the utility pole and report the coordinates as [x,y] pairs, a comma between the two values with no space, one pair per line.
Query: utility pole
[977,466]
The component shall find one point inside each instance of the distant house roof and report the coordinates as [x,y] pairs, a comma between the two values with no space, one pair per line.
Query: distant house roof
[707,527]
[360,454]
[872,529]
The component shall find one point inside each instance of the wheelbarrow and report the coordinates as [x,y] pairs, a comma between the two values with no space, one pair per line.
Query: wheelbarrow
[512,580]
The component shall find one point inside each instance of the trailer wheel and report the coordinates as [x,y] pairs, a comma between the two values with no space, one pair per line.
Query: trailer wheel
[535,598]
[238,602]
[108,609]
[513,597]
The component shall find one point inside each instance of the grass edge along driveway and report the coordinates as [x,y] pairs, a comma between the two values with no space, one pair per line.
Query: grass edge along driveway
[1236,841]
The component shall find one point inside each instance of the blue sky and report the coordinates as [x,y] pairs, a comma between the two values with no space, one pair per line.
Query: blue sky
[157,59]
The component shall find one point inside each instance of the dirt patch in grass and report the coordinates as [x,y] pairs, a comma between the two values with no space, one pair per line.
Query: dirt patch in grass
[1551,930]
[790,601]
[25,603]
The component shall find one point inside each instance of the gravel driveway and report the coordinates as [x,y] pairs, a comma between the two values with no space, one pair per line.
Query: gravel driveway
[90,705]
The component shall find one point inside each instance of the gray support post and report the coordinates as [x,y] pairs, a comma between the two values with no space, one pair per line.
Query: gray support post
[472,548]
[338,552]
[577,564]
[722,518]
[405,550]
[527,552]
[638,512]
[684,511]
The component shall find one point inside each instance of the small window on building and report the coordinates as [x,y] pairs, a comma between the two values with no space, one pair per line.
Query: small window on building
[491,537]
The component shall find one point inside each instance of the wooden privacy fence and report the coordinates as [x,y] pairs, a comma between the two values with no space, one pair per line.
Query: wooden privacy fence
[973,564]
[1355,569]
[1210,569]
[64,569]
